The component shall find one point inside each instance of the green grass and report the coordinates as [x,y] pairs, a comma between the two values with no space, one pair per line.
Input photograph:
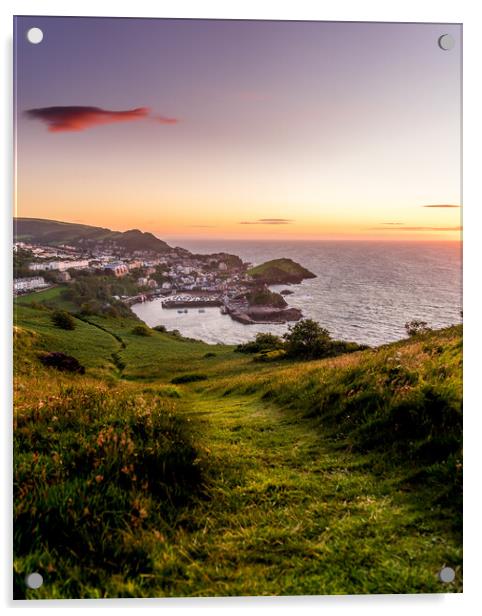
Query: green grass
[99,474]
[92,347]
[292,515]
[280,269]
[49,297]
[332,476]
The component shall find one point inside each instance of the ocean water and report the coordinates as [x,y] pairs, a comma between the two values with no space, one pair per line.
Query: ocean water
[364,291]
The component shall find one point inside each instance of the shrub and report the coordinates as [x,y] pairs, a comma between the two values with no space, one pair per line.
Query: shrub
[61,361]
[160,328]
[141,330]
[188,378]
[63,319]
[268,356]
[263,342]
[416,327]
[90,308]
[210,354]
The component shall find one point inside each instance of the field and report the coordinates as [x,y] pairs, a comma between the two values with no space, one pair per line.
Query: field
[331,476]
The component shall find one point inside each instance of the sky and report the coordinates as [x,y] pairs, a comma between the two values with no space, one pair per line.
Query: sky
[240,129]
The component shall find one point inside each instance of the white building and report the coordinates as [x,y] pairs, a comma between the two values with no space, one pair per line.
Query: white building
[60,266]
[20,285]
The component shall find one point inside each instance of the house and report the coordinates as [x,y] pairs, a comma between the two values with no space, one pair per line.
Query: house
[63,277]
[20,285]
[118,268]
[134,264]
[142,282]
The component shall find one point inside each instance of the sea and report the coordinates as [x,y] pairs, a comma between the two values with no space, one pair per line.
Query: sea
[364,291]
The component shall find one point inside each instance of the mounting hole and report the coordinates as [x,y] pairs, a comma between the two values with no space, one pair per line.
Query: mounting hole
[34,580]
[35,36]
[447,575]
[446,42]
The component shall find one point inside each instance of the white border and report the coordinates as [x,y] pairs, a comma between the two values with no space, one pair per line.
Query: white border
[458,11]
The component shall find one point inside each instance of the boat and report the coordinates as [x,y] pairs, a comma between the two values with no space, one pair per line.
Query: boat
[180,311]
[201,310]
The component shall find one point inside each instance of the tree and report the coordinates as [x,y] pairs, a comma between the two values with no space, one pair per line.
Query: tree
[63,319]
[416,327]
[262,343]
[308,339]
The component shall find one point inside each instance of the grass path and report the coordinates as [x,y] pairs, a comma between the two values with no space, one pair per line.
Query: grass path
[289,514]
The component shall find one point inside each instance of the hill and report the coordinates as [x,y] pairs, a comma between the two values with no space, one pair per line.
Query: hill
[340,475]
[53,232]
[280,271]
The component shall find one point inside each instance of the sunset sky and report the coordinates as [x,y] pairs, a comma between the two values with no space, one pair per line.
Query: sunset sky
[238,129]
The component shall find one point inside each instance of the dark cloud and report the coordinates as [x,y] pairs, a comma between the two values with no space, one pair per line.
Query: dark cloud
[267,221]
[77,118]
[440,205]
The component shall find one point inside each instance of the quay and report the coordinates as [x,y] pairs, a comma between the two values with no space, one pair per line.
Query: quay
[190,301]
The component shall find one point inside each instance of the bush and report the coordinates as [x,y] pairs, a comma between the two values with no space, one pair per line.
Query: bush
[63,362]
[188,378]
[160,328]
[262,343]
[141,330]
[268,356]
[415,327]
[210,354]
[90,308]
[63,319]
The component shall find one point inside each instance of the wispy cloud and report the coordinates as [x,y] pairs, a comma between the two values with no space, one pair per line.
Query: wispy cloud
[457,206]
[392,223]
[77,118]
[429,228]
[268,221]
[402,228]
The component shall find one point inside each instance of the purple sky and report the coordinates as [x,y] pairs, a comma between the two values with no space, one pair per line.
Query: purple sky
[334,127]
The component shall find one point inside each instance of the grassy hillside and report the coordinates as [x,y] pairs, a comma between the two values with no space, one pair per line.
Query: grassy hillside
[340,475]
[280,271]
[55,232]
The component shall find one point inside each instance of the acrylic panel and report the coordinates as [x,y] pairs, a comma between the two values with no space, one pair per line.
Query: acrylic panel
[237,308]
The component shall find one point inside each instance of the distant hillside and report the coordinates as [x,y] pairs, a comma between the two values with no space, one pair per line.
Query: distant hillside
[54,232]
[280,271]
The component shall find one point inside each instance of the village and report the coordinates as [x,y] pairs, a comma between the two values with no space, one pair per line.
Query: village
[142,268]
[183,278]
